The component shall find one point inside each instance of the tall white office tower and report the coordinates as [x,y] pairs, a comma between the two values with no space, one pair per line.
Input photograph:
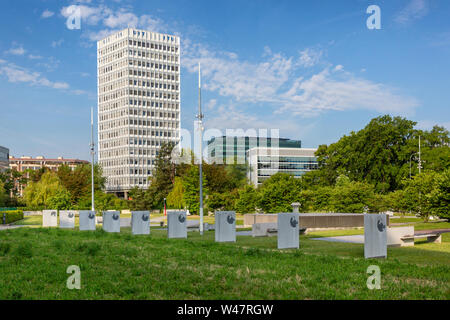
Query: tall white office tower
[138,104]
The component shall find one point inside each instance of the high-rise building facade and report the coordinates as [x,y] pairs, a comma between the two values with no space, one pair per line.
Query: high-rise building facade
[4,158]
[138,104]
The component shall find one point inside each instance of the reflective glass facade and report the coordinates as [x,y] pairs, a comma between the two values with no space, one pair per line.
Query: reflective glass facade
[234,149]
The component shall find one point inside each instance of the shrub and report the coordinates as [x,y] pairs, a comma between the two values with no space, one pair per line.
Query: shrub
[11,216]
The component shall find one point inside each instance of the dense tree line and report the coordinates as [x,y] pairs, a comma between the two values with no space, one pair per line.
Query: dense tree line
[69,189]
[372,170]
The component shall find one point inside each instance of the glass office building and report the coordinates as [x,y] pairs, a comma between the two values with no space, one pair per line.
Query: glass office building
[233,149]
[265,162]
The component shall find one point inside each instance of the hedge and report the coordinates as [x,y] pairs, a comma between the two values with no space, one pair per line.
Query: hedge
[10,216]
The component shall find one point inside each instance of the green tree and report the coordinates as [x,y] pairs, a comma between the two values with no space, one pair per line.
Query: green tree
[217,177]
[222,201]
[440,196]
[316,200]
[3,195]
[191,186]
[419,192]
[175,197]
[140,199]
[37,194]
[351,197]
[103,201]
[375,154]
[248,199]
[396,201]
[162,180]
[78,180]
[61,200]
[278,192]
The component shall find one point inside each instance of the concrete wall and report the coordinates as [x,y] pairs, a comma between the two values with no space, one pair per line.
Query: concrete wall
[314,220]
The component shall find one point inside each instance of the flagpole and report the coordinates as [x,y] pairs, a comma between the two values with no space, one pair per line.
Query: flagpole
[93,158]
[200,127]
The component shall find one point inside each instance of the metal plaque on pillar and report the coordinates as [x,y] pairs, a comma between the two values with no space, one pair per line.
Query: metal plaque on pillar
[375,236]
[111,221]
[49,218]
[176,224]
[288,234]
[67,219]
[140,222]
[225,226]
[87,220]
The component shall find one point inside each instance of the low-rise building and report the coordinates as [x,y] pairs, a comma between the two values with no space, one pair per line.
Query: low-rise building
[24,163]
[265,162]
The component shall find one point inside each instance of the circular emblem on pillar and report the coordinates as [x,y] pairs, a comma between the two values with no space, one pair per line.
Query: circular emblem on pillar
[294,222]
[91,215]
[230,219]
[70,215]
[144,217]
[115,216]
[53,213]
[380,225]
[181,218]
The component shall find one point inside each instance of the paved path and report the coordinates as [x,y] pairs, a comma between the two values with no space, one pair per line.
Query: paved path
[243,233]
[360,238]
[431,231]
[6,227]
[349,239]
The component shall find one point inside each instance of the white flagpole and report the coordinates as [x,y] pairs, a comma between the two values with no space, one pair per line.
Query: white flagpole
[200,126]
[93,155]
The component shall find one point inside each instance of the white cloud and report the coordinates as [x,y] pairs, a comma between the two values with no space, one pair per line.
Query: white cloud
[33,57]
[148,22]
[243,80]
[16,50]
[211,104]
[112,20]
[98,35]
[121,19]
[47,14]
[325,91]
[89,15]
[58,43]
[429,124]
[17,74]
[278,82]
[414,10]
[231,117]
[309,57]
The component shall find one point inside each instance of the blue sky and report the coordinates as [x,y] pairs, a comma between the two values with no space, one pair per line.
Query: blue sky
[311,69]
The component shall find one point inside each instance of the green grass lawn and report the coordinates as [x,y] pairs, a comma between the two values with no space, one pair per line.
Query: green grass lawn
[33,263]
[37,220]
